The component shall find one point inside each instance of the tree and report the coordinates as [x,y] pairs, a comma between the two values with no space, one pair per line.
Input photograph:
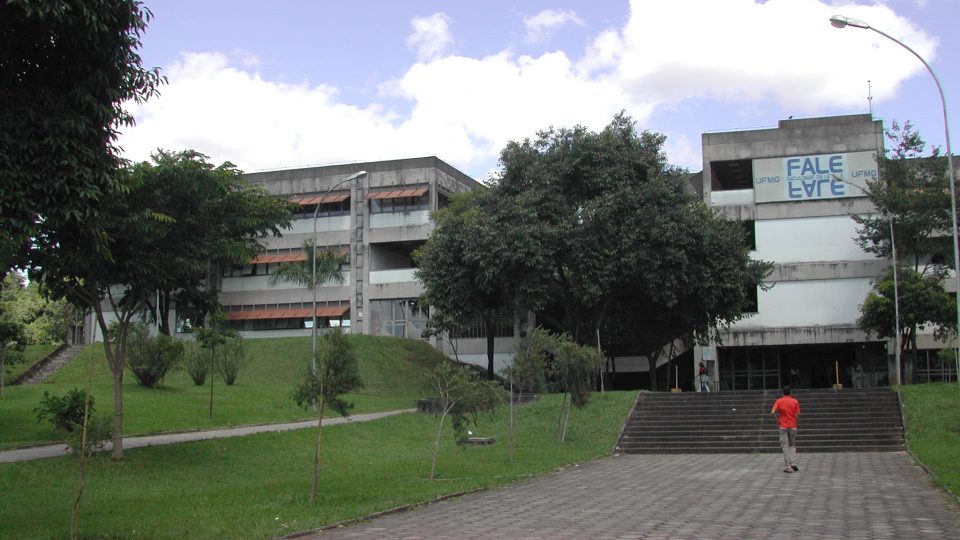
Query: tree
[43,320]
[12,342]
[911,194]
[922,302]
[66,69]
[300,272]
[468,268]
[462,395]
[133,249]
[216,339]
[610,229]
[216,218]
[336,375]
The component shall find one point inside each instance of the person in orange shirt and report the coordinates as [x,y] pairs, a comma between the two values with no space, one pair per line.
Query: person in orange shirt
[787,409]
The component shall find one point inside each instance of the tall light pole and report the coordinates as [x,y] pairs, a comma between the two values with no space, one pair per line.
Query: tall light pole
[313,270]
[839,21]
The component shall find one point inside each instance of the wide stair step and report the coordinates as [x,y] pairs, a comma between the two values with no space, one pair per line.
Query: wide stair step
[848,420]
[49,365]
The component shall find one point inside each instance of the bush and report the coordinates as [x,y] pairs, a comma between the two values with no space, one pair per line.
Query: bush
[230,359]
[151,358]
[99,431]
[197,362]
[65,413]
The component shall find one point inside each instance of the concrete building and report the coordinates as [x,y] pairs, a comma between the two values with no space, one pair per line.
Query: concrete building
[795,188]
[378,219]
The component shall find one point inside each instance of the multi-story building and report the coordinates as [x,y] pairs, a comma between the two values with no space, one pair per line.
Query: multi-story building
[376,213]
[795,188]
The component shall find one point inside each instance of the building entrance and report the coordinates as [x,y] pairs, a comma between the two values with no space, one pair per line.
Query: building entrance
[802,366]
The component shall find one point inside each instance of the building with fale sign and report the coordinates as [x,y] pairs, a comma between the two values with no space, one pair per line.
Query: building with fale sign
[795,188]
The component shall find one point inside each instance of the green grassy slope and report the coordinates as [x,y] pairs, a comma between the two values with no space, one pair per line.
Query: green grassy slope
[392,370]
[932,416]
[258,486]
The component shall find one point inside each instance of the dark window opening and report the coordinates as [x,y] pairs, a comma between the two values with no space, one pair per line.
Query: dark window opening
[750,230]
[400,204]
[338,208]
[751,301]
[733,174]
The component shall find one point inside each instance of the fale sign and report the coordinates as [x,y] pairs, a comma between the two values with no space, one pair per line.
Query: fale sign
[804,178]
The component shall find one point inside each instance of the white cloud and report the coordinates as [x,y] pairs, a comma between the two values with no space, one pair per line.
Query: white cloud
[543,24]
[744,50]
[431,37]
[464,109]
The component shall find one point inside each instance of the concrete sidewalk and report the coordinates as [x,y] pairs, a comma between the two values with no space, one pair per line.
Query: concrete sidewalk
[55,450]
[878,495]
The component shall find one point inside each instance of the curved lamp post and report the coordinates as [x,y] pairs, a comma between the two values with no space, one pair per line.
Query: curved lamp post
[839,21]
[313,270]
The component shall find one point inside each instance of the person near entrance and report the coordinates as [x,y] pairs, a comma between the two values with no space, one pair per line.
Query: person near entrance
[703,378]
[786,410]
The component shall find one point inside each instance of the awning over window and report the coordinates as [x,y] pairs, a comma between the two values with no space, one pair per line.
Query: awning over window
[318,199]
[279,258]
[298,313]
[396,194]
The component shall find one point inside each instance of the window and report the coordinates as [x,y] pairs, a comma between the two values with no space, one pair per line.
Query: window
[750,228]
[751,302]
[730,175]
[328,209]
[400,204]
[403,317]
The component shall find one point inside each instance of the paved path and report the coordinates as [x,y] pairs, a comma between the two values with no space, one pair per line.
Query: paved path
[737,496]
[55,450]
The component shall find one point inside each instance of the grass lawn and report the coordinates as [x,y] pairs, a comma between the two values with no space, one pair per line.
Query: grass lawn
[391,369]
[258,486]
[932,415]
[31,355]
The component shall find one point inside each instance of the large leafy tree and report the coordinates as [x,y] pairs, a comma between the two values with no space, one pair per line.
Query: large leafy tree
[468,267]
[613,231]
[912,195]
[145,241]
[215,218]
[66,68]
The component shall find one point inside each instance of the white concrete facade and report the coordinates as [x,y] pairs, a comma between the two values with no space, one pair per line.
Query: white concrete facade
[799,185]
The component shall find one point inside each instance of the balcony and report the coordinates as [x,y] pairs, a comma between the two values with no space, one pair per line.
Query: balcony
[398,275]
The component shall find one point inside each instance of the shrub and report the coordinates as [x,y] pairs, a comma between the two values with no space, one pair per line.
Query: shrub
[151,358]
[65,413]
[99,431]
[230,359]
[197,362]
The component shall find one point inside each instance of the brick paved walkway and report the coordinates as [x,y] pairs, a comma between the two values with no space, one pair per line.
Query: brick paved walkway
[842,495]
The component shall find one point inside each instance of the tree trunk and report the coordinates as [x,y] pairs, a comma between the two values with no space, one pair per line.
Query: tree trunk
[512,426]
[436,442]
[652,359]
[163,312]
[75,516]
[315,486]
[489,322]
[117,453]
[566,422]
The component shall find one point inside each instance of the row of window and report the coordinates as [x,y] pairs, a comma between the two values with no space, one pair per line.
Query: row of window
[339,208]
[265,269]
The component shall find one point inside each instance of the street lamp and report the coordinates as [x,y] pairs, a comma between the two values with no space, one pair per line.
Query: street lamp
[839,21]
[313,270]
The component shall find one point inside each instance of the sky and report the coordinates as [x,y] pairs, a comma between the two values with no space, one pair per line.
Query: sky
[292,83]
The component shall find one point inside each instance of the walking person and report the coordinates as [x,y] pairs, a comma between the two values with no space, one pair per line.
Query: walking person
[703,378]
[786,410]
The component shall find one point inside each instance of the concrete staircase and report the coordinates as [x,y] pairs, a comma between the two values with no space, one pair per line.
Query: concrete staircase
[848,420]
[49,365]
